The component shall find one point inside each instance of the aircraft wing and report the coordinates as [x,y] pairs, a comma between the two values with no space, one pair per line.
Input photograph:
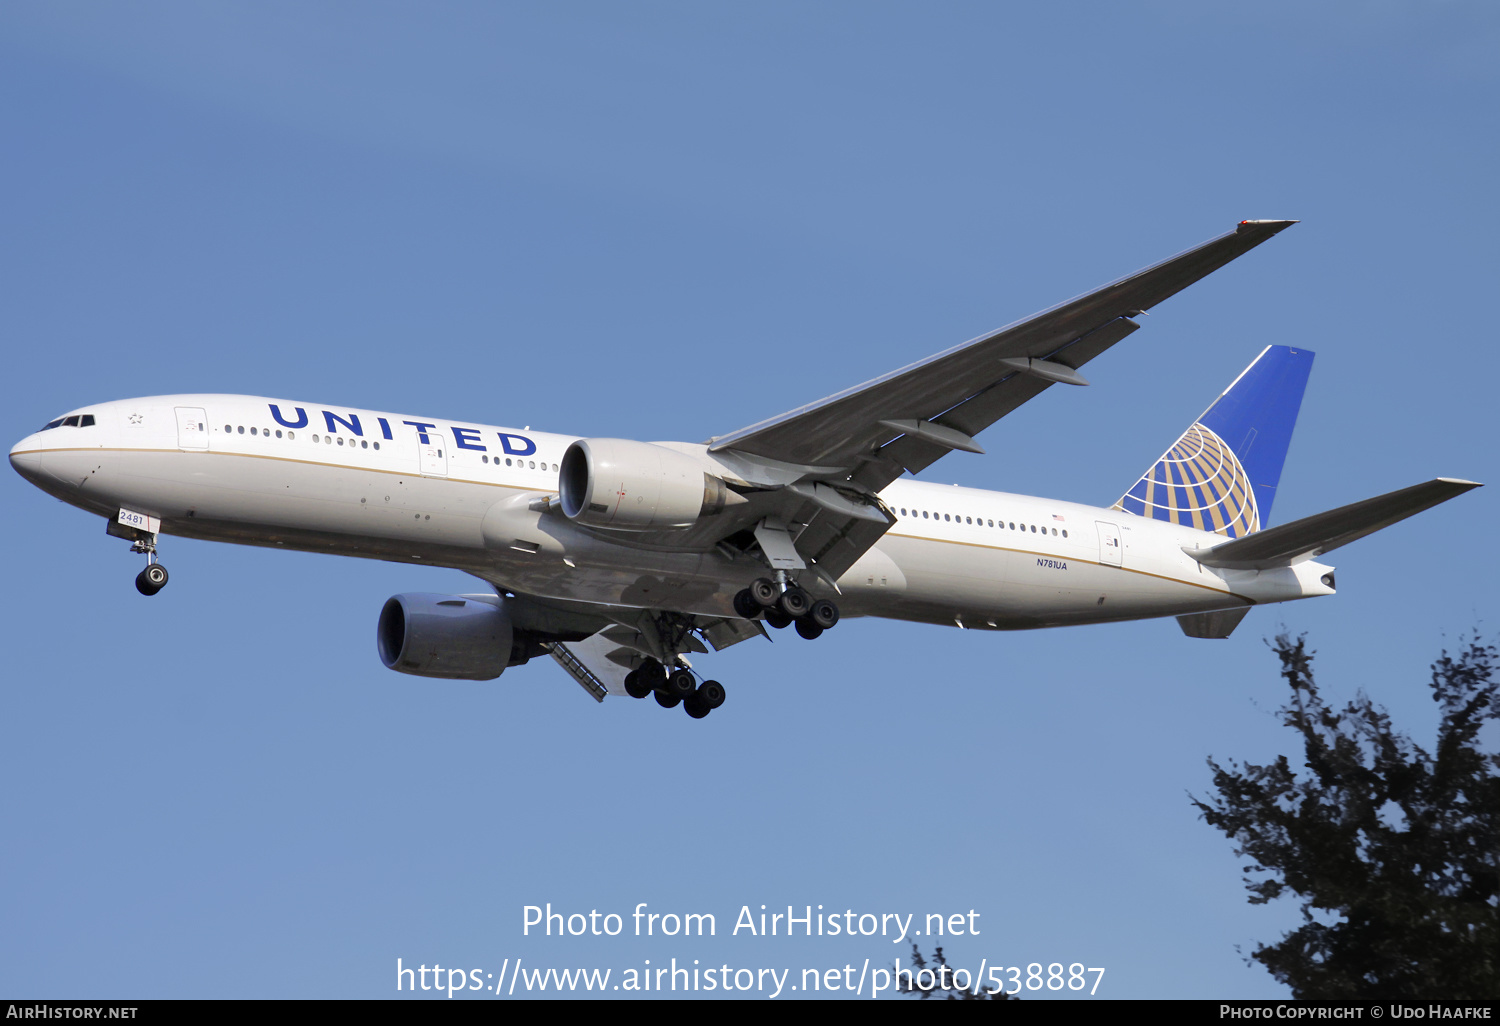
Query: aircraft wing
[905,420]
[1323,532]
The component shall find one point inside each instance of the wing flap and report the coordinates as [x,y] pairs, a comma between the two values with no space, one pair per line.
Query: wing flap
[833,543]
[588,662]
[1323,532]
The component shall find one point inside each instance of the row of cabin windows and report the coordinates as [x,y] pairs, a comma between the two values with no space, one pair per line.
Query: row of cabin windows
[528,464]
[981,521]
[230,429]
[291,436]
[77,420]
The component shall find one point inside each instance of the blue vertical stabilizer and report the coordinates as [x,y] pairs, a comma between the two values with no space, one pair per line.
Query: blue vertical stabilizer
[1221,475]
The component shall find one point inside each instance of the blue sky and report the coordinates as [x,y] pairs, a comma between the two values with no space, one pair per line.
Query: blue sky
[666,221]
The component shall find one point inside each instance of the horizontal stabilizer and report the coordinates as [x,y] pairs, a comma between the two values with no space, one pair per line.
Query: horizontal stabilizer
[1323,532]
[1218,624]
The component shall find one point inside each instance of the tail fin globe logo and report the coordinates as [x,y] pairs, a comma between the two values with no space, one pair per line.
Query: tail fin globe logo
[1199,483]
[1221,475]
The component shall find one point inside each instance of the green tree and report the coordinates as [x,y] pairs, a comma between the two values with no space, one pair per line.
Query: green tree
[1394,853]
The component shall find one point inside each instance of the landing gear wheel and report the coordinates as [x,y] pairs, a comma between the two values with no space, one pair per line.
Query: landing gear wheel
[823,613]
[653,674]
[667,701]
[151,580]
[745,605]
[808,629]
[696,707]
[681,683]
[794,602]
[711,693]
[636,685]
[776,618]
[764,591]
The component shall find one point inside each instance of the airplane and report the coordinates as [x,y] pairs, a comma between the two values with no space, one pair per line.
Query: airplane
[623,559]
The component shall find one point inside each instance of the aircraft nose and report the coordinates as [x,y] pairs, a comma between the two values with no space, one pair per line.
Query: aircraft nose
[26,457]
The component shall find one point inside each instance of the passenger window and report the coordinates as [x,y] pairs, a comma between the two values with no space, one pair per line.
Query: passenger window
[484,459]
[278,432]
[242,429]
[315,439]
[252,431]
[291,435]
[1065,532]
[341,439]
[363,444]
[377,445]
[924,514]
[507,461]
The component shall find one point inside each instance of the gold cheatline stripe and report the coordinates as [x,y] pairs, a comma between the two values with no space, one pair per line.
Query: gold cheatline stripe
[288,459]
[1078,559]
[519,488]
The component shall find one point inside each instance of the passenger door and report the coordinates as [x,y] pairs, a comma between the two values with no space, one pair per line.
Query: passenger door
[1109,544]
[433,455]
[192,429]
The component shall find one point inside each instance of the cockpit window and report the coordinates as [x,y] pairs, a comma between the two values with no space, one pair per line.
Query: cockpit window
[77,420]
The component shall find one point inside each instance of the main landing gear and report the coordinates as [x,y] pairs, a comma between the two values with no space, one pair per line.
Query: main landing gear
[673,688]
[782,608]
[154,578]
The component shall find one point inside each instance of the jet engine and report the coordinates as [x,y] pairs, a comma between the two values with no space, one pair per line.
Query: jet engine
[454,636]
[637,486]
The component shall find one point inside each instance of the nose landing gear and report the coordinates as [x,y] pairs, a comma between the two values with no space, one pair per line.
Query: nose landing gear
[154,578]
[140,530]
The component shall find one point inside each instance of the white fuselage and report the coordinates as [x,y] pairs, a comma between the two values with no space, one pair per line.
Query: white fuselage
[363,483]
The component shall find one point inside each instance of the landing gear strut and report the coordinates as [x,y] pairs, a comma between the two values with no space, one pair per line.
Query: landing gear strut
[154,578]
[781,608]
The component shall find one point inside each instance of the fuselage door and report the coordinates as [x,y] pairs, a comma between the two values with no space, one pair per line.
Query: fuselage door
[434,455]
[192,429]
[1109,544]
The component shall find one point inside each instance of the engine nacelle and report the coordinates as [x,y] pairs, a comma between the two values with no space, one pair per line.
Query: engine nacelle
[636,486]
[453,636]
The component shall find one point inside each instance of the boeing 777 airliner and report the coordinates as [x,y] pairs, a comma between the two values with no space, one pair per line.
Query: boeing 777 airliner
[621,558]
